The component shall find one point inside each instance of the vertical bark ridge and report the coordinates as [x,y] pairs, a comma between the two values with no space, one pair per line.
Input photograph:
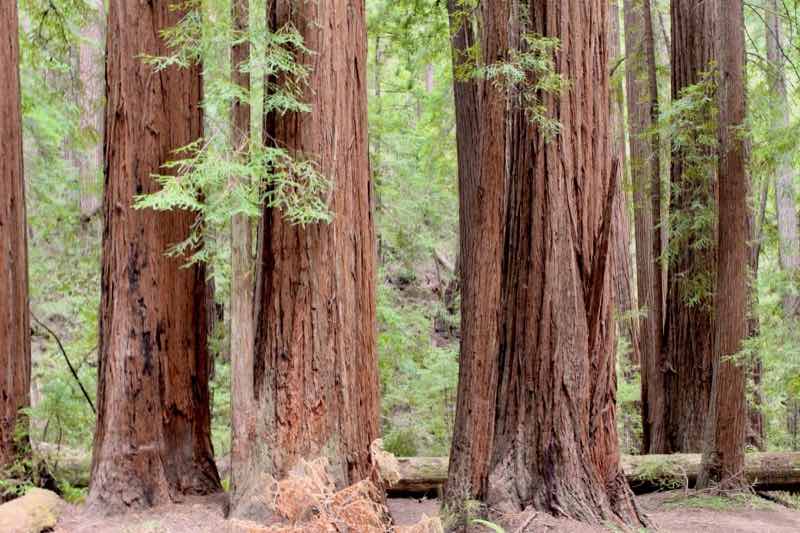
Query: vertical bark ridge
[15,350]
[152,441]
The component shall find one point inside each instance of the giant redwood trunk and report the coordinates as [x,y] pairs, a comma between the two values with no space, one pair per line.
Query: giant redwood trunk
[689,330]
[15,334]
[645,172]
[481,136]
[315,372]
[152,441]
[548,385]
[723,455]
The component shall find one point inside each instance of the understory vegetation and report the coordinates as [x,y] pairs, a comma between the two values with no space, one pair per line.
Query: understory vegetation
[413,161]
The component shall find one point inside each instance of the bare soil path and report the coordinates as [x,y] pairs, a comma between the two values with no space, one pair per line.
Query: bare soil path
[670,512]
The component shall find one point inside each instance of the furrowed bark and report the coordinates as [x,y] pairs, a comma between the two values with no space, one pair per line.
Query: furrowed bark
[689,329]
[315,373]
[481,130]
[554,449]
[15,332]
[723,454]
[152,442]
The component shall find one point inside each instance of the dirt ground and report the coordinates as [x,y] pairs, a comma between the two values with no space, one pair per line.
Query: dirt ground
[671,512]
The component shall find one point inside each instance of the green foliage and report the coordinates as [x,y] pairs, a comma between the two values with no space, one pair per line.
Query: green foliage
[690,122]
[418,379]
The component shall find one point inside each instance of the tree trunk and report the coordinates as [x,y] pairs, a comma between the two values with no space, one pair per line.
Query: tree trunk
[723,454]
[15,332]
[481,137]
[621,271]
[689,330]
[91,73]
[152,441]
[784,185]
[556,449]
[242,286]
[645,170]
[315,365]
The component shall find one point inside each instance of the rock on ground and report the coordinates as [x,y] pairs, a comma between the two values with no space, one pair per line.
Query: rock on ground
[38,510]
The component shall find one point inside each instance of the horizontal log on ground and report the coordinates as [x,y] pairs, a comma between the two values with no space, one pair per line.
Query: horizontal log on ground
[645,473]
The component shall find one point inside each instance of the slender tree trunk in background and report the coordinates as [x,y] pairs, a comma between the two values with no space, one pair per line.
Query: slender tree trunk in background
[549,446]
[315,364]
[152,441]
[91,72]
[242,264]
[784,185]
[788,239]
[689,330]
[15,332]
[621,271]
[481,126]
[723,456]
[646,197]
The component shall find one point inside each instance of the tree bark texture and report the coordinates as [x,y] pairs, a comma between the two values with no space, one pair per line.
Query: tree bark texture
[15,333]
[481,136]
[689,329]
[535,422]
[723,454]
[242,264]
[152,443]
[315,373]
[645,174]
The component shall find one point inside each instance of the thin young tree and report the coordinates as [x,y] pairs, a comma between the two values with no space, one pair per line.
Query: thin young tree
[624,291]
[315,371]
[723,455]
[646,179]
[15,333]
[548,386]
[689,325]
[242,264]
[152,441]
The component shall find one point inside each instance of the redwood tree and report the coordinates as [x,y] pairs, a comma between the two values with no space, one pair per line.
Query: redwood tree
[689,329]
[15,333]
[723,457]
[645,170]
[152,441]
[535,421]
[315,371]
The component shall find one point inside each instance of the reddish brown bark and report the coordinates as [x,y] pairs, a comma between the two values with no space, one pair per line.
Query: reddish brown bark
[723,456]
[15,340]
[152,441]
[481,129]
[645,170]
[242,286]
[551,438]
[689,329]
[315,371]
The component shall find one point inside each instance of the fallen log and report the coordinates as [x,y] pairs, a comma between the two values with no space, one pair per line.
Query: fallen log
[645,473]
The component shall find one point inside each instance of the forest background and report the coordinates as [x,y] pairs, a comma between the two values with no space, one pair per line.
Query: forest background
[413,160]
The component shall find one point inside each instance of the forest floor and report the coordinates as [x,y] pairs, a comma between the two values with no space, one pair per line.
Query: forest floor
[675,511]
